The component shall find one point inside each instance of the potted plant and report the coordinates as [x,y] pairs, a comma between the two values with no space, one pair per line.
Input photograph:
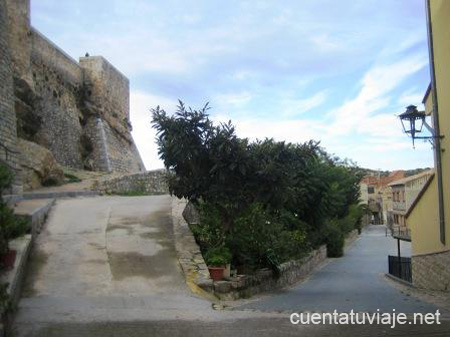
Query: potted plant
[217,258]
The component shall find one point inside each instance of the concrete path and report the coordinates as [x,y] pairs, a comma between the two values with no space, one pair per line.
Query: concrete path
[355,281]
[105,259]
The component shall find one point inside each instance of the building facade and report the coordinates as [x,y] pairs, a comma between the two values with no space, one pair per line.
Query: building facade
[429,216]
[403,194]
[376,194]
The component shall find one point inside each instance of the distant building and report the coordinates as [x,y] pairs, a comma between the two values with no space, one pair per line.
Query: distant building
[404,192]
[375,193]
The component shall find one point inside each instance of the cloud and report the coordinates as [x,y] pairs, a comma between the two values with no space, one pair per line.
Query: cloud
[143,133]
[376,86]
[325,43]
[409,97]
[293,107]
[235,99]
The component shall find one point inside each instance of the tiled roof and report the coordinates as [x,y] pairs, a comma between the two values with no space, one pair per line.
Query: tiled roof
[383,181]
[411,178]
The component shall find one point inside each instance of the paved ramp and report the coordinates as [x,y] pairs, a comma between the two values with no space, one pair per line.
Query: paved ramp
[105,259]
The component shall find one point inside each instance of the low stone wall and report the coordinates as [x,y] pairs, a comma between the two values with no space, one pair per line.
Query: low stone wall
[431,271]
[146,183]
[291,272]
[197,273]
[15,277]
[242,286]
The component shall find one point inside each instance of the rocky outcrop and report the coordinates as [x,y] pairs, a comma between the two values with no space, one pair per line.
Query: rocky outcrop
[39,167]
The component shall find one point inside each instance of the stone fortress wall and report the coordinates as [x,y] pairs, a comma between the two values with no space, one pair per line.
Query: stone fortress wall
[77,110]
[8,134]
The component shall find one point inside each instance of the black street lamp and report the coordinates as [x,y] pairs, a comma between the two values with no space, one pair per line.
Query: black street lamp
[413,121]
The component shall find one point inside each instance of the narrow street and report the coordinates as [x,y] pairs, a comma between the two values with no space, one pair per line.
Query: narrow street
[355,281]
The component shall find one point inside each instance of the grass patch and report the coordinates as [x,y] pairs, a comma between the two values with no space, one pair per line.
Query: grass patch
[70,178]
[131,194]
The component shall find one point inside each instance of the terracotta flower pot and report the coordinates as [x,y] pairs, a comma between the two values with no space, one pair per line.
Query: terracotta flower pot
[216,272]
[7,260]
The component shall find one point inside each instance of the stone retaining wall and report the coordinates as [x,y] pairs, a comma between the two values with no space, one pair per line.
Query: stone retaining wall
[146,183]
[431,271]
[291,272]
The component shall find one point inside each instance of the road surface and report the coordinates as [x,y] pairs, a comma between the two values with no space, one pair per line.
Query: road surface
[106,267]
[355,281]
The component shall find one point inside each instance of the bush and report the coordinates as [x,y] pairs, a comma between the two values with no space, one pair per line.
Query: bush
[209,232]
[11,226]
[259,239]
[267,201]
[6,178]
[334,239]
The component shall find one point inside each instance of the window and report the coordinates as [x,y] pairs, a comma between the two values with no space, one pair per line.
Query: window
[370,190]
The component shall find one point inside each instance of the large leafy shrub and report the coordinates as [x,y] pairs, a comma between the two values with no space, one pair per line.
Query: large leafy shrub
[267,201]
[260,239]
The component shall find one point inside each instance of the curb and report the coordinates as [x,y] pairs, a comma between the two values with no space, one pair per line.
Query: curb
[189,255]
[399,280]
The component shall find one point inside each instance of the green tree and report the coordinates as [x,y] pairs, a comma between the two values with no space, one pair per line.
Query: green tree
[266,200]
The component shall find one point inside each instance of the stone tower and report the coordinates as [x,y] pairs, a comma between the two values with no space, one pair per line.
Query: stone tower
[79,110]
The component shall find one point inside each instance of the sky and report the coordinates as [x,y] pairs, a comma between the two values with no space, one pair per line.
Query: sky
[338,72]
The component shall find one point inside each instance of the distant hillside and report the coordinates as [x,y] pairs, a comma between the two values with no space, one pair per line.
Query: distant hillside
[408,173]
[415,171]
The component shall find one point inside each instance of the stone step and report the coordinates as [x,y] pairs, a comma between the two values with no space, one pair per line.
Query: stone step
[35,211]
[12,199]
